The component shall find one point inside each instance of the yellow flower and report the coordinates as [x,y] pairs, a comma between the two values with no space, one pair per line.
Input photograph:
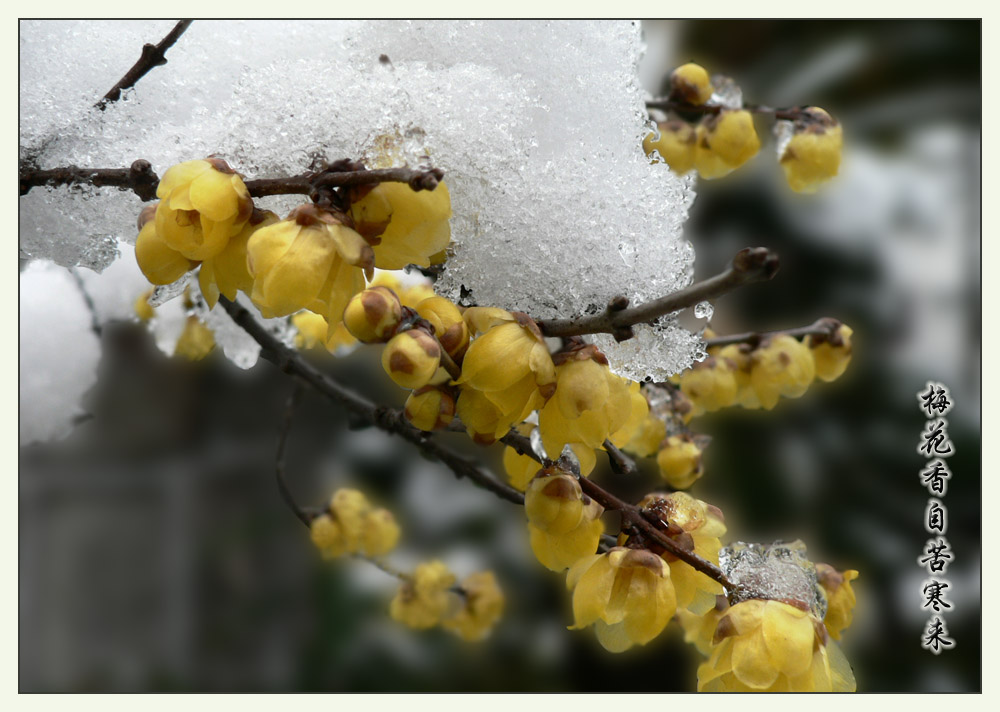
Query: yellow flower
[831,354]
[350,508]
[626,594]
[308,261]
[680,461]
[690,83]
[202,205]
[226,273]
[379,533]
[725,142]
[510,365]
[562,526]
[430,408]
[196,341]
[159,263]
[812,156]
[590,402]
[700,629]
[310,330]
[710,385]
[373,315]
[405,226]
[449,326]
[328,536]
[741,364]
[142,307]
[479,416]
[483,604]
[700,525]
[423,601]
[675,144]
[782,366]
[770,646]
[635,434]
[840,598]
[412,358]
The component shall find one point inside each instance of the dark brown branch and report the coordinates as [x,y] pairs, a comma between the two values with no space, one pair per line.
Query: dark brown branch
[386,419]
[672,105]
[141,179]
[826,326]
[620,462]
[279,458]
[152,56]
[750,265]
[631,515]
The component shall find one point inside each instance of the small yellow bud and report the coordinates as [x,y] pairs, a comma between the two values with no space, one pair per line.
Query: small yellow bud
[196,341]
[411,358]
[483,604]
[449,326]
[675,144]
[423,601]
[554,503]
[812,155]
[680,462]
[782,366]
[725,142]
[690,83]
[430,408]
[379,533]
[328,536]
[710,385]
[142,307]
[372,316]
[350,507]
[831,354]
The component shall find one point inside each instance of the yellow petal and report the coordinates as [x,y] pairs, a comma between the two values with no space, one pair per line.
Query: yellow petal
[214,195]
[789,638]
[751,663]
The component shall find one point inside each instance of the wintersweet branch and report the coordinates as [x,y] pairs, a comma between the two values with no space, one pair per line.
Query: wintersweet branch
[750,265]
[827,326]
[631,515]
[152,56]
[386,419]
[279,458]
[672,105]
[142,180]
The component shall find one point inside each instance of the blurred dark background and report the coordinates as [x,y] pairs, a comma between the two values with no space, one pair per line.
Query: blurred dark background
[155,553]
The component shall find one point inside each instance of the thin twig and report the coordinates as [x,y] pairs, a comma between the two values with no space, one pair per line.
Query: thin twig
[750,265]
[95,324]
[279,459]
[620,462]
[672,105]
[826,326]
[386,419]
[139,178]
[631,515]
[152,56]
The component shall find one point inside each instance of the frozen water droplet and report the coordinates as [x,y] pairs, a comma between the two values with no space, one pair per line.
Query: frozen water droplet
[704,310]
[164,293]
[536,444]
[726,92]
[783,132]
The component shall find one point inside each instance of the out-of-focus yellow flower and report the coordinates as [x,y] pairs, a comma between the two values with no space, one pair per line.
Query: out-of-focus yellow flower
[640,428]
[411,358]
[770,646]
[700,629]
[741,364]
[482,606]
[202,204]
[404,226]
[511,366]
[310,330]
[450,328]
[725,142]
[840,598]
[373,315]
[143,309]
[226,273]
[831,354]
[680,461]
[782,366]
[710,385]
[423,601]
[308,261]
[196,341]
[379,533]
[675,144]
[812,155]
[626,594]
[690,83]
[430,408]
[351,526]
[700,526]
[159,263]
[328,536]
[590,402]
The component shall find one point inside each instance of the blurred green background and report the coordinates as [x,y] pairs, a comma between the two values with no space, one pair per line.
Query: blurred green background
[155,553]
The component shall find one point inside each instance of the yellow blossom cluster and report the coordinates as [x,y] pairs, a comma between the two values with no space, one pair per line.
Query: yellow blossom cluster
[350,525]
[715,139]
[430,597]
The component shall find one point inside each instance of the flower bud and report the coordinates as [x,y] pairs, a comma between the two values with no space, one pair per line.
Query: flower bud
[430,408]
[812,155]
[411,358]
[483,604]
[725,142]
[423,601]
[142,307]
[372,316]
[710,385]
[680,462]
[832,354]
[379,533]
[690,83]
[782,366]
[328,536]
[449,326]
[554,503]
[675,144]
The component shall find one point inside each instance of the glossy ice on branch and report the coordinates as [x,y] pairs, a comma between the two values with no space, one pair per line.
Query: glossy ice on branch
[778,571]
